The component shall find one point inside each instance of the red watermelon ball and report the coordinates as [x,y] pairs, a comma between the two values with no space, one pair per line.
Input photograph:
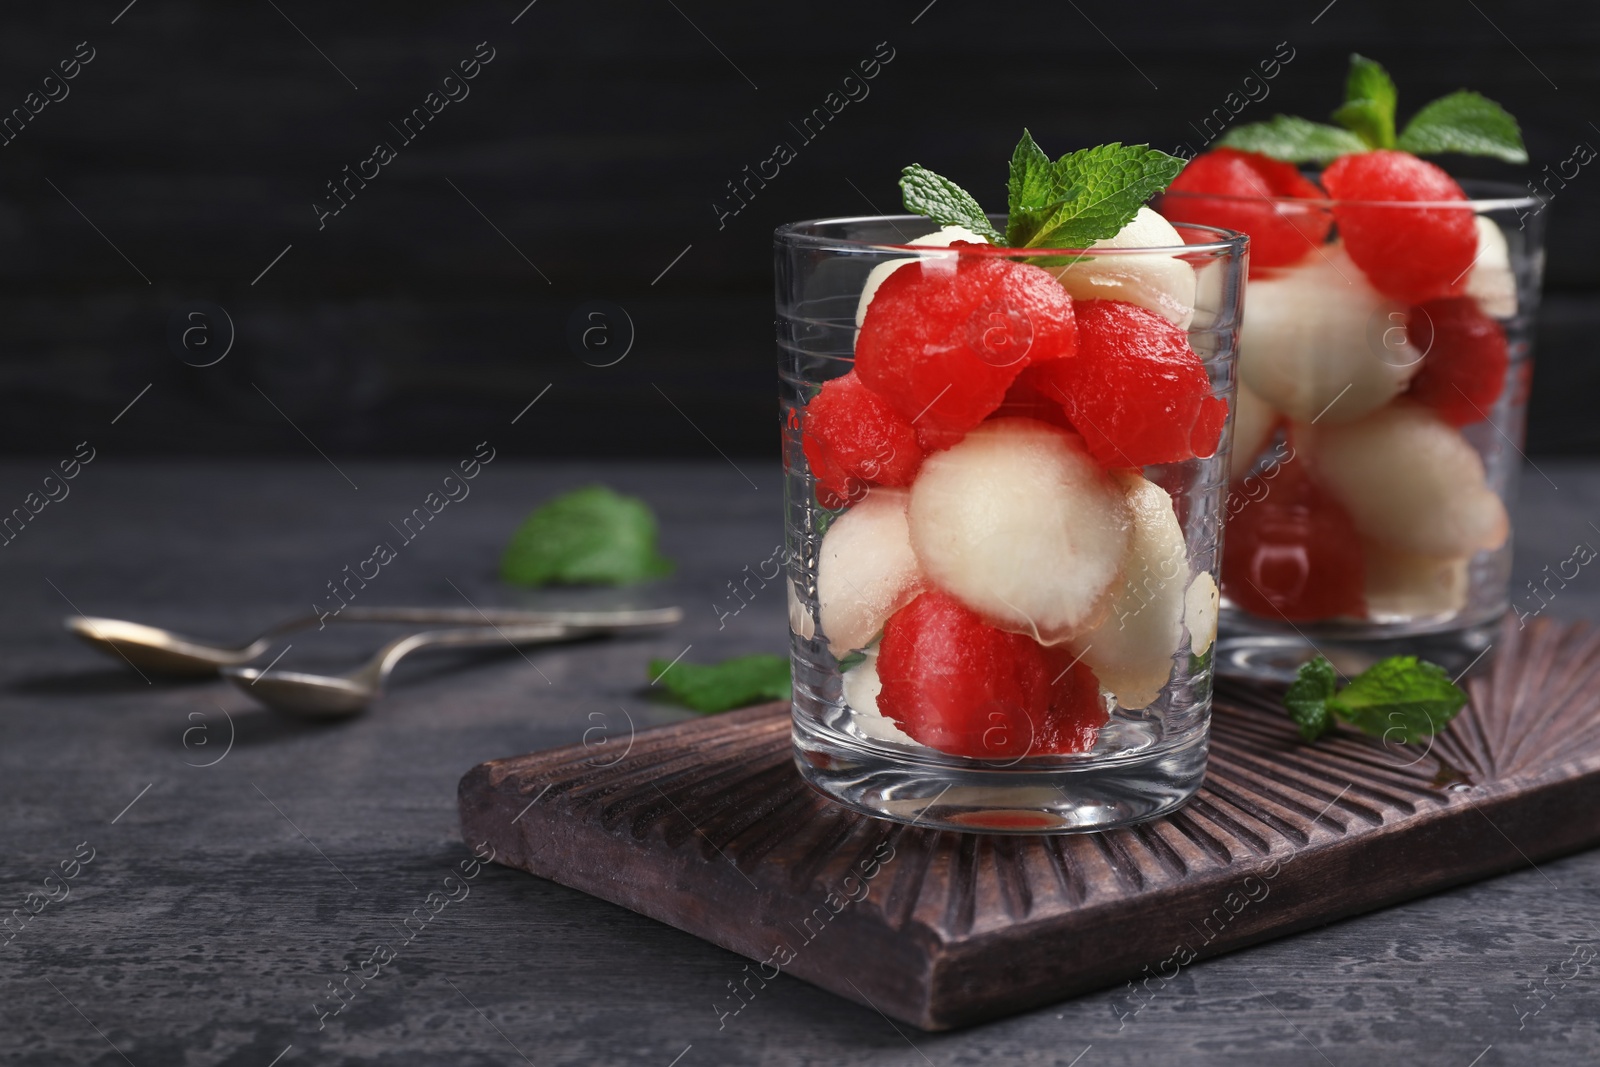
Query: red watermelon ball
[1412,254]
[1136,391]
[1238,192]
[854,439]
[945,336]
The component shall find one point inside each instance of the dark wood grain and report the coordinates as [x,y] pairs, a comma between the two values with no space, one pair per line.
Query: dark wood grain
[707,826]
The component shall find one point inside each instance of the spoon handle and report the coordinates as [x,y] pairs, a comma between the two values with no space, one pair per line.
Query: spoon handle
[625,618]
[466,637]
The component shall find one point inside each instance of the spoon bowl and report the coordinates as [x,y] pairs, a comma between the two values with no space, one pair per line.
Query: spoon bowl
[308,696]
[151,648]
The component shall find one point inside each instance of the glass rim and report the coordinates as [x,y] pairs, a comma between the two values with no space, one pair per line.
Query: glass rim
[1497,196]
[803,234]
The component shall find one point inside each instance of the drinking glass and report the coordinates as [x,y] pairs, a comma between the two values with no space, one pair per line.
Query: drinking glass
[1014,772]
[1379,432]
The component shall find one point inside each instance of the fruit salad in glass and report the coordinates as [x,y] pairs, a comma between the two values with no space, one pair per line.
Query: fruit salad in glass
[1383,370]
[1005,442]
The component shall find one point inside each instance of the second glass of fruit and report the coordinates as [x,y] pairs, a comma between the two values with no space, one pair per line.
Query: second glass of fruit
[1384,361]
[1004,495]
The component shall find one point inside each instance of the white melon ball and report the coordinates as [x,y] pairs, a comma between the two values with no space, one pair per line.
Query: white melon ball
[1402,586]
[800,621]
[861,688]
[1200,612]
[1019,523]
[1410,481]
[1253,420]
[1490,281]
[1319,343]
[938,239]
[866,570]
[1131,650]
[1163,284]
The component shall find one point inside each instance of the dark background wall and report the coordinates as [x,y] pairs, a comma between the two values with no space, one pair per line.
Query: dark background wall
[586,160]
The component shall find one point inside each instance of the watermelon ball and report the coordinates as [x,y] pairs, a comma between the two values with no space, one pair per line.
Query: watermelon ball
[1291,552]
[1136,391]
[942,341]
[1078,708]
[953,682]
[1465,359]
[1280,234]
[853,439]
[1409,253]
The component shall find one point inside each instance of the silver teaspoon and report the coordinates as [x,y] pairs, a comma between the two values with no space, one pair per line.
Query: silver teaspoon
[318,696]
[163,651]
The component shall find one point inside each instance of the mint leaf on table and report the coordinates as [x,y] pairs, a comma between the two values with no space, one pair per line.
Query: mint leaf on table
[1400,699]
[733,683]
[945,202]
[590,536]
[1095,192]
[1308,696]
[1468,123]
[1293,140]
[1369,103]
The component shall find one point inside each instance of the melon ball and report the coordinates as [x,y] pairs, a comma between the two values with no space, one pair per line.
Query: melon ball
[943,238]
[800,620]
[1131,650]
[1160,283]
[861,688]
[1490,281]
[866,570]
[1253,422]
[1402,586]
[1319,343]
[1200,612]
[1410,481]
[1019,523]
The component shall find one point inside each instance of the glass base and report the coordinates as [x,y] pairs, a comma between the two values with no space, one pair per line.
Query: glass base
[1273,655]
[1065,796]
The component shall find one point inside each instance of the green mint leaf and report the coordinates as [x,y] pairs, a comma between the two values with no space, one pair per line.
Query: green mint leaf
[1400,699]
[1308,696]
[1095,193]
[1293,140]
[734,683]
[1468,123]
[1369,103]
[1031,186]
[590,536]
[945,202]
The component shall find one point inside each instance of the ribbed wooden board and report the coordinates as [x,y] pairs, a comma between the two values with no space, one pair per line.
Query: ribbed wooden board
[707,826]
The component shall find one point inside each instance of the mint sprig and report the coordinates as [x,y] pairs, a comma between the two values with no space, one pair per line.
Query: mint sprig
[945,202]
[712,687]
[1369,103]
[1294,140]
[1081,198]
[1400,699]
[1464,122]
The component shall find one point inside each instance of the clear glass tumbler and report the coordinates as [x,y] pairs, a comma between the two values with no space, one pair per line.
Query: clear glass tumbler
[1002,568]
[1382,400]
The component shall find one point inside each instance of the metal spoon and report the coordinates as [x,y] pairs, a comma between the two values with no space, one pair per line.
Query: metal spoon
[162,651]
[318,696]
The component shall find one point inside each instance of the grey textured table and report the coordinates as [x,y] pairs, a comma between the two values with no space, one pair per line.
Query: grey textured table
[223,899]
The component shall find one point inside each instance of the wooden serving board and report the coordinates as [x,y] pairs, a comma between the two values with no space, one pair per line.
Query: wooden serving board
[707,826]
